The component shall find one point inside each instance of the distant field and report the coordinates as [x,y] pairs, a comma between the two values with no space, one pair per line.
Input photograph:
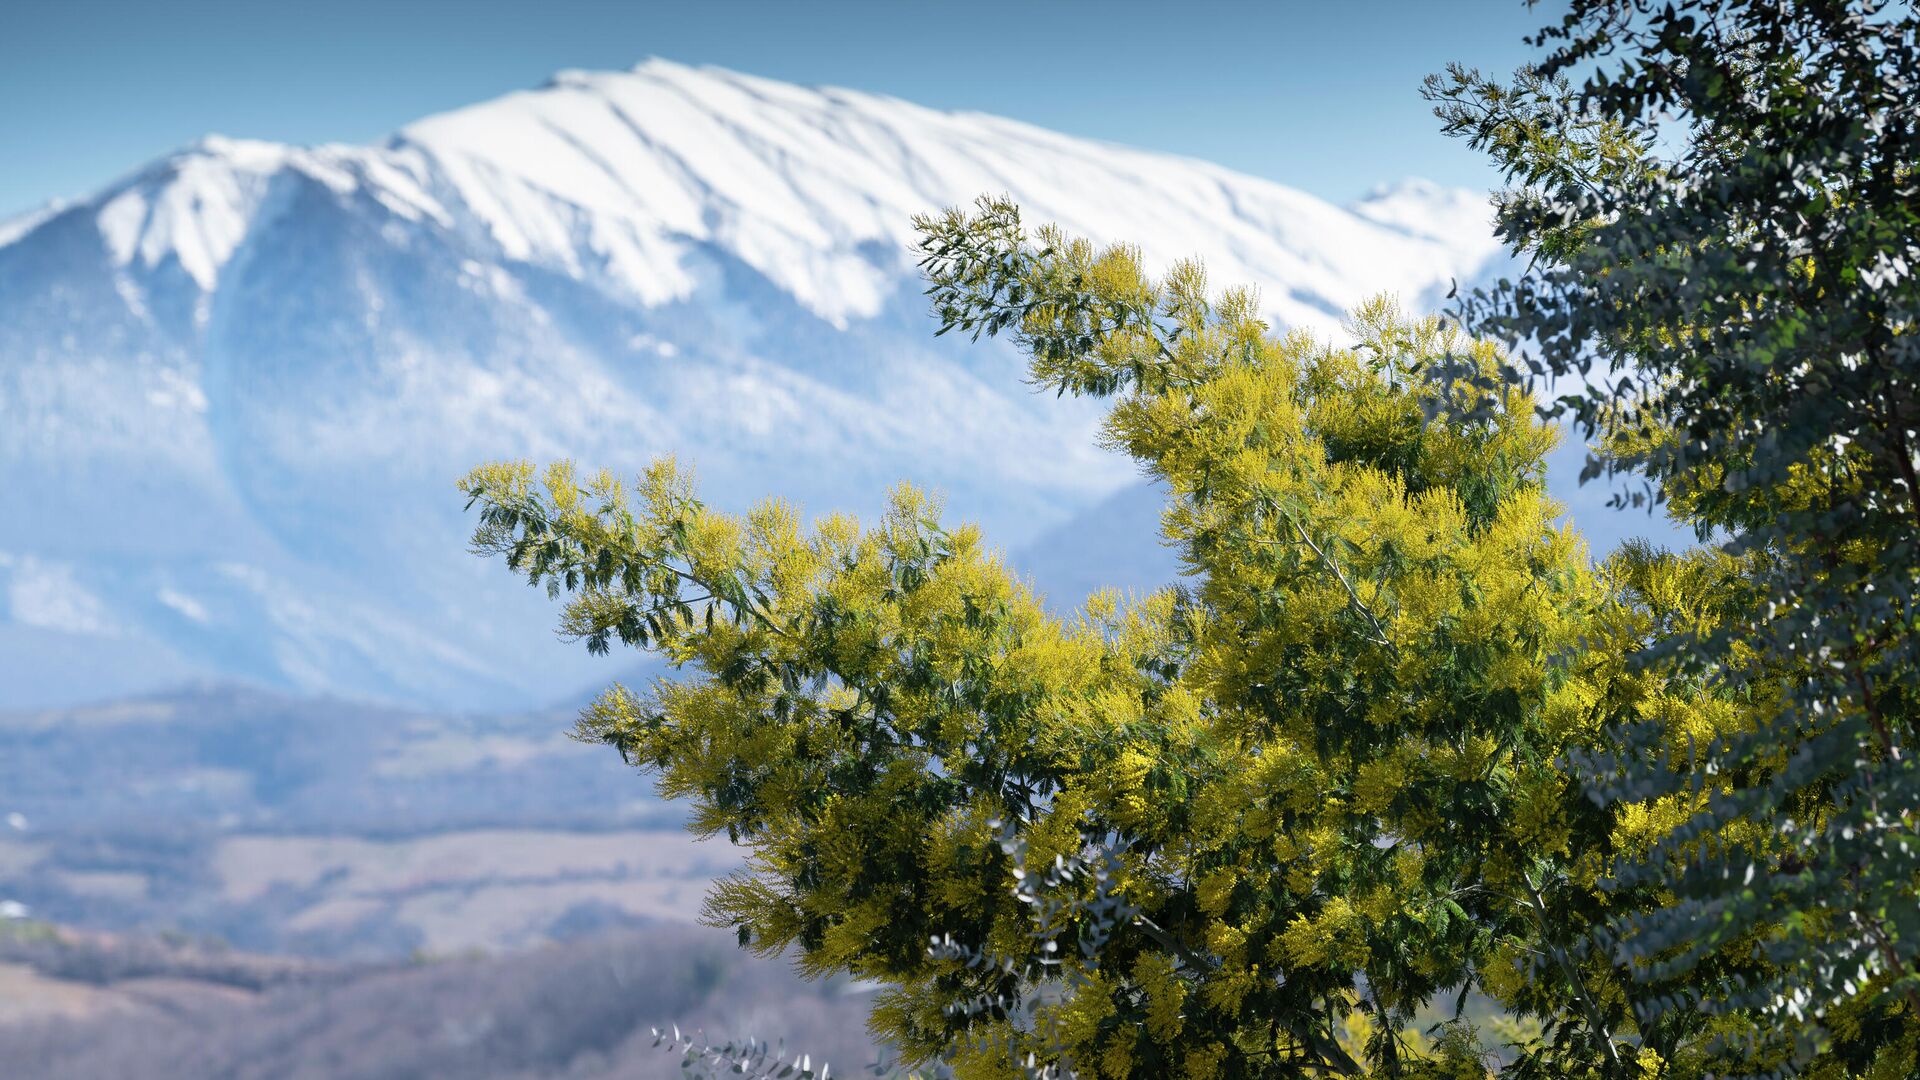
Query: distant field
[107,1007]
[234,760]
[486,889]
[327,828]
[482,889]
[263,888]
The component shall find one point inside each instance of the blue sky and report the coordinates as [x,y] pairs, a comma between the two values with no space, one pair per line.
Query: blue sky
[1322,96]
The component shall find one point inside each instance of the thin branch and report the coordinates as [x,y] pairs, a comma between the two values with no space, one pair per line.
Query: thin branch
[1353,597]
[1587,1004]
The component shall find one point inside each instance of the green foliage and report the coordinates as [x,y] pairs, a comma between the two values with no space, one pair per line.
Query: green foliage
[1396,740]
[1249,827]
[1721,200]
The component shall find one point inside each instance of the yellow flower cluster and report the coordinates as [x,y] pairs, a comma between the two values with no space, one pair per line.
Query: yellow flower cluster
[1332,762]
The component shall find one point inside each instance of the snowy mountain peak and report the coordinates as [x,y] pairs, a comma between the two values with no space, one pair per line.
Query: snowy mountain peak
[619,179]
[618,174]
[192,209]
[277,358]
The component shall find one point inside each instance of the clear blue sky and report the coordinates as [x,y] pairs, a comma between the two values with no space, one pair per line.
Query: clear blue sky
[1320,95]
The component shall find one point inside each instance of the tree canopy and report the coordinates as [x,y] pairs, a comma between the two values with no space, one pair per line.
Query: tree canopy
[1397,781]
[1720,204]
[1297,810]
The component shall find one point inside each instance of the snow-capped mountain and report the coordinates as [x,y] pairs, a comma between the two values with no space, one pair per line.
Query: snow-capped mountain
[236,387]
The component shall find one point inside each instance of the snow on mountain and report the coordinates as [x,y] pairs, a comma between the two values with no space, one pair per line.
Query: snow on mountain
[238,384]
[618,176]
[1424,209]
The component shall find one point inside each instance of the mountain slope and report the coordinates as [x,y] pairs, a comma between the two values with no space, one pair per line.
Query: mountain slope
[239,383]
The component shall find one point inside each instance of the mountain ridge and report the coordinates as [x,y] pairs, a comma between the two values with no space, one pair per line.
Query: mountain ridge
[242,378]
[199,212]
